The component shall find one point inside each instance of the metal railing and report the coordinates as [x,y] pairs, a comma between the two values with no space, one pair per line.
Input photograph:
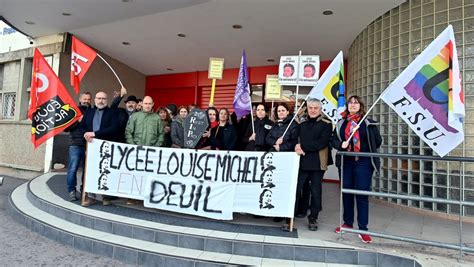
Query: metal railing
[462,248]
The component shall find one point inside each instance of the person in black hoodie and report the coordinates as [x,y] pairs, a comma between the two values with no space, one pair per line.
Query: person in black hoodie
[358,171]
[77,148]
[313,148]
[263,125]
[223,137]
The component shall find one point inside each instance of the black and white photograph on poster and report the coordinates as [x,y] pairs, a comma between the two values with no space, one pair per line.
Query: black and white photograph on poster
[308,70]
[207,183]
[287,70]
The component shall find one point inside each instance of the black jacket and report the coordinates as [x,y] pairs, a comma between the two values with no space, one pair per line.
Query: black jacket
[262,128]
[373,137]
[110,127]
[76,133]
[223,138]
[291,136]
[314,141]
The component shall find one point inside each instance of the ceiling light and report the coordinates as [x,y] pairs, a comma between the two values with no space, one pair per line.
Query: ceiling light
[327,12]
[182,35]
[270,60]
[237,26]
[170,69]
[66,14]
[125,43]
[29,22]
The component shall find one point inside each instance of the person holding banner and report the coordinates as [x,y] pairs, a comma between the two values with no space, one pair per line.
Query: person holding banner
[275,138]
[177,130]
[166,122]
[223,137]
[313,148]
[144,127]
[357,171]
[279,142]
[263,125]
[104,123]
[205,142]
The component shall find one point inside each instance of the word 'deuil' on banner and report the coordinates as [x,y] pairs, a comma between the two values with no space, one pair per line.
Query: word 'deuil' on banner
[206,183]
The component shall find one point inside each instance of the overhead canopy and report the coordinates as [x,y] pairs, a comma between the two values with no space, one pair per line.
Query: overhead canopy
[270,28]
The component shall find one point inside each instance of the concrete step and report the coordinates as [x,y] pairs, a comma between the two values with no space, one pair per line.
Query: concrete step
[252,249]
[128,249]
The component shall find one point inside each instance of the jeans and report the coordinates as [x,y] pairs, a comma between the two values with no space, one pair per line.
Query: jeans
[76,160]
[315,178]
[358,176]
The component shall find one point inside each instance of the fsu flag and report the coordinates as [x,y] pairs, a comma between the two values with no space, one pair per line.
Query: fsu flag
[52,109]
[242,100]
[428,95]
[82,57]
[330,89]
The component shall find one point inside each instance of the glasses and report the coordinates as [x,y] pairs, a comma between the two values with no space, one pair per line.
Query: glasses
[101,98]
[354,102]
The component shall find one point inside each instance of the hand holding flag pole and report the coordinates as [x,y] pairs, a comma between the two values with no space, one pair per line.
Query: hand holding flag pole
[365,116]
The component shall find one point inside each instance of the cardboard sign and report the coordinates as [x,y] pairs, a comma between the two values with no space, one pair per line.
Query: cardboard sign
[216,67]
[272,88]
[194,126]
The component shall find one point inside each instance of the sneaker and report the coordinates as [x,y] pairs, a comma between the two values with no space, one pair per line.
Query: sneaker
[72,196]
[365,238]
[132,201]
[312,224]
[338,229]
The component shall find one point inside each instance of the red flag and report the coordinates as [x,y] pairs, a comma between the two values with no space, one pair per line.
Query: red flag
[52,109]
[82,57]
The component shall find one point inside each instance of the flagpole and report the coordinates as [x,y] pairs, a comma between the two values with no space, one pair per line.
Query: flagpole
[251,112]
[294,116]
[111,69]
[365,116]
[297,81]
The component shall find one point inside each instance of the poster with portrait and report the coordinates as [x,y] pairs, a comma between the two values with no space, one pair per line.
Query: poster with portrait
[288,70]
[308,71]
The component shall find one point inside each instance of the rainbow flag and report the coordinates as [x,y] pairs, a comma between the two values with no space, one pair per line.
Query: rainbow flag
[428,95]
[330,89]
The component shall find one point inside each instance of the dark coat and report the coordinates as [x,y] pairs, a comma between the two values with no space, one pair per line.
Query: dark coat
[76,133]
[373,136]
[110,127]
[223,137]
[291,136]
[314,141]
[262,128]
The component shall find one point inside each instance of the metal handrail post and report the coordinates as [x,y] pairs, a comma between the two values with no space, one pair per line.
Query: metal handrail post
[461,213]
[340,196]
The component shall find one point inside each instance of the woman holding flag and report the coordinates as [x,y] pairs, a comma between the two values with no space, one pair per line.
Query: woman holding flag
[357,171]
[255,141]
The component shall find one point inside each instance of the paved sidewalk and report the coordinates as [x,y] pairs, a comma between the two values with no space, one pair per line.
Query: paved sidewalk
[21,247]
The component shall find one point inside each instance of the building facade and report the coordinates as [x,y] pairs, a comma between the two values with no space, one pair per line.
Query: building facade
[376,57]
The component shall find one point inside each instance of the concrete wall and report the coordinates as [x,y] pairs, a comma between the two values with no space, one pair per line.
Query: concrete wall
[16,149]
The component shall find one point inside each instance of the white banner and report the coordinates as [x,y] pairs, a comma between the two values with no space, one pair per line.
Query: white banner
[206,183]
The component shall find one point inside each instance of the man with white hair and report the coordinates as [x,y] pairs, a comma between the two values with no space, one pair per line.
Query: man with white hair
[103,123]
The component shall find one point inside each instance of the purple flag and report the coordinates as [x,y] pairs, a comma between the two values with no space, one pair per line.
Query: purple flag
[242,101]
